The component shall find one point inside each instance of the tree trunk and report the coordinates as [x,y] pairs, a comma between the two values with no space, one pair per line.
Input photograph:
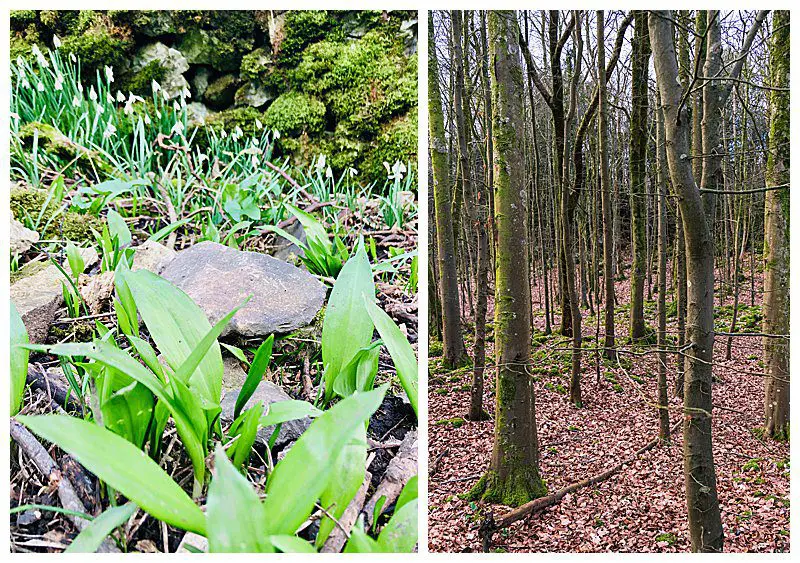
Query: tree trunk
[513,477]
[640,57]
[452,341]
[663,401]
[776,239]
[705,523]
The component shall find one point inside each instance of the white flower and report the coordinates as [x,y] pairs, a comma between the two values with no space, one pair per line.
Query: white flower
[177,128]
[56,41]
[223,134]
[132,99]
[185,93]
[329,172]
[254,160]
[100,109]
[352,172]
[14,115]
[80,87]
[76,101]
[399,170]
[176,107]
[156,87]
[259,125]
[320,165]
[73,58]
[92,94]
[276,133]
[165,95]
[388,168]
[40,87]
[25,83]
[158,114]
[42,61]
[59,84]
[109,98]
[120,96]
[146,119]
[35,50]
[110,130]
[20,62]
[109,73]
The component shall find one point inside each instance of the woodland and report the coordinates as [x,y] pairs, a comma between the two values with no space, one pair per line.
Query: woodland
[609,288]
[212,336]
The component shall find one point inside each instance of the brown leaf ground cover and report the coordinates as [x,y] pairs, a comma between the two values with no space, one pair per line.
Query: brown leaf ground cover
[642,508]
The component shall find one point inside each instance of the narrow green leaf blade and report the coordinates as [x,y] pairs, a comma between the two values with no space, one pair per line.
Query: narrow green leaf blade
[90,539]
[19,359]
[254,374]
[123,466]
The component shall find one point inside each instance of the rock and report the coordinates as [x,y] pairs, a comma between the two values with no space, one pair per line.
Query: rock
[171,60]
[96,290]
[154,23]
[219,278]
[234,375]
[267,393]
[409,31]
[200,82]
[198,542]
[221,92]
[152,256]
[38,296]
[21,237]
[200,47]
[196,113]
[253,94]
[289,251]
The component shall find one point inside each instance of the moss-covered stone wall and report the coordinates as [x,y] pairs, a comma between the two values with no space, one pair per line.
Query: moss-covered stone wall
[339,83]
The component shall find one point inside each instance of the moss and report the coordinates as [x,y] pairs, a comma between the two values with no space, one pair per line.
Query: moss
[220,93]
[21,19]
[396,141]
[228,120]
[141,81]
[97,42]
[295,113]
[456,422]
[301,28]
[70,225]
[259,66]
[522,485]
[216,38]
[435,349]
[28,270]
[82,331]
[58,145]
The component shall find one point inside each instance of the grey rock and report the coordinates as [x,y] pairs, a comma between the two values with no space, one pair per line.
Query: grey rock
[38,296]
[253,94]
[233,376]
[197,113]
[267,393]
[171,60]
[21,237]
[200,82]
[154,23]
[152,256]
[219,278]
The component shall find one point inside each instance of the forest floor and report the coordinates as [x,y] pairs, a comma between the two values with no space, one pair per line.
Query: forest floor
[641,508]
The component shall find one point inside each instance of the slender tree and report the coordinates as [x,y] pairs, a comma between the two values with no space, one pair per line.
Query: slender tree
[452,341]
[776,237]
[513,477]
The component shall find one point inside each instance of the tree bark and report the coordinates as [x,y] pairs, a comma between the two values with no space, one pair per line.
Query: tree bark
[452,341]
[776,239]
[513,477]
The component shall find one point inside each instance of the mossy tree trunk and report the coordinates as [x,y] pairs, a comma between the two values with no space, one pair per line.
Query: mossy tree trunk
[609,350]
[776,238]
[476,397]
[513,477]
[452,340]
[640,58]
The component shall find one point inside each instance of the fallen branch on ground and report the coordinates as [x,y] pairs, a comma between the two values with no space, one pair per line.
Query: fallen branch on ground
[489,526]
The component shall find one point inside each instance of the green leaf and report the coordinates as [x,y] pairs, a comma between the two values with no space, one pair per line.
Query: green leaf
[314,230]
[405,362]
[75,260]
[236,352]
[254,374]
[360,542]
[118,228]
[284,411]
[123,466]
[350,470]
[90,539]
[359,373]
[347,327]
[127,413]
[298,481]
[409,493]
[236,518]
[400,533]
[246,428]
[19,359]
[291,544]
[177,325]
